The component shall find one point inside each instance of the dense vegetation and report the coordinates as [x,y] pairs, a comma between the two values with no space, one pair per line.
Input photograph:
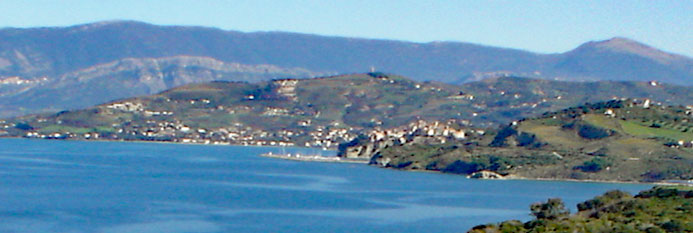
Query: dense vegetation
[660,209]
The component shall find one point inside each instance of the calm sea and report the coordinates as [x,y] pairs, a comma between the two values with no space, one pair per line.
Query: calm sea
[71,186]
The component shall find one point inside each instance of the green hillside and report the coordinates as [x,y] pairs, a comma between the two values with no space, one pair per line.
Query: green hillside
[660,209]
[320,112]
[622,140]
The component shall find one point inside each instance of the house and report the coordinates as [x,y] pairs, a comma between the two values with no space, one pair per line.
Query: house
[687,144]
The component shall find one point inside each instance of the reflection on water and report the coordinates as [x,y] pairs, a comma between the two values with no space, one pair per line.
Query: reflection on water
[66,186]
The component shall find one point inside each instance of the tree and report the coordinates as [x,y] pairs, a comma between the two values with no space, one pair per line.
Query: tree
[554,208]
[594,165]
[23,126]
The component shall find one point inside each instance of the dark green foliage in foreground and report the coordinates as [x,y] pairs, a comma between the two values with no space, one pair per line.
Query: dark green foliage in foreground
[660,209]
[554,208]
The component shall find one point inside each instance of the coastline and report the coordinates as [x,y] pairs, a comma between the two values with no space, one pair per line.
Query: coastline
[307,158]
[516,177]
[602,181]
[312,158]
[164,142]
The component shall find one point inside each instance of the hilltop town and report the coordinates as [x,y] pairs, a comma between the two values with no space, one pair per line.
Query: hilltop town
[325,112]
[618,140]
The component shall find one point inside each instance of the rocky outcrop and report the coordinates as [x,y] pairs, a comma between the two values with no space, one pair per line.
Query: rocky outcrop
[419,132]
[364,148]
[486,175]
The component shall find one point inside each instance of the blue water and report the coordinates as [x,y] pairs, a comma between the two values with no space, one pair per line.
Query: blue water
[70,186]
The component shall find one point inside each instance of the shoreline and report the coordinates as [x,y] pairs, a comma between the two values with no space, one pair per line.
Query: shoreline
[164,142]
[312,158]
[516,177]
[308,159]
[602,181]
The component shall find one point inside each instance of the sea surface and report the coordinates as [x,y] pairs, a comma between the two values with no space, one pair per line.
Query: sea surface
[74,186]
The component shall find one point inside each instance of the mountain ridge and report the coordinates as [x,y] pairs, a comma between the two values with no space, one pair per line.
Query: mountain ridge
[615,40]
[627,45]
[46,55]
[135,34]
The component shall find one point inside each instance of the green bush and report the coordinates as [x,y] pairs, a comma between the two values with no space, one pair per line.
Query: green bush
[23,126]
[484,162]
[594,165]
[501,137]
[593,132]
[602,200]
[660,209]
[464,167]
[554,208]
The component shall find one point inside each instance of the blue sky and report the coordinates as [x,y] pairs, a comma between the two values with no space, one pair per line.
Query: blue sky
[539,26]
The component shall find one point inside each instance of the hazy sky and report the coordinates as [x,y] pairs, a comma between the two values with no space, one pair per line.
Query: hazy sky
[539,26]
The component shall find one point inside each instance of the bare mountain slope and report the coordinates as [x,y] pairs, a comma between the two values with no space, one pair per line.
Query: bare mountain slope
[63,63]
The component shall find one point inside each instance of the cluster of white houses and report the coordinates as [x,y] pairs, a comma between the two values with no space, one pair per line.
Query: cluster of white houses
[440,131]
[159,129]
[237,135]
[308,133]
[240,134]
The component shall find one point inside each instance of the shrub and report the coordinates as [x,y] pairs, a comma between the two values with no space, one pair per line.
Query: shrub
[594,165]
[511,226]
[377,74]
[554,208]
[528,140]
[602,200]
[503,134]
[673,226]
[463,167]
[23,126]
[484,162]
[593,132]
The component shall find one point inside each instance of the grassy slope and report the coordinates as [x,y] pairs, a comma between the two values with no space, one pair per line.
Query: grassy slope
[630,153]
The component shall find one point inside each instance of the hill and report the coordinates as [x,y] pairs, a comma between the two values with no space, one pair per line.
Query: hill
[122,55]
[660,209]
[129,77]
[321,112]
[618,140]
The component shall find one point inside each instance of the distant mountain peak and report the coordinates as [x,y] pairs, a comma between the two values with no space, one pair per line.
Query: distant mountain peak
[105,23]
[112,22]
[626,45]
